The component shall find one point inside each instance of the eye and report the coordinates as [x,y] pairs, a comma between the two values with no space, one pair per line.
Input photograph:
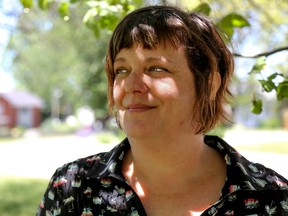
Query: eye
[158,69]
[121,70]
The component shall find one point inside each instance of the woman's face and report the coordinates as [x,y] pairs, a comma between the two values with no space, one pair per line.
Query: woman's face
[153,91]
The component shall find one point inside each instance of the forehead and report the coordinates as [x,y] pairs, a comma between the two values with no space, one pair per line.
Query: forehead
[163,51]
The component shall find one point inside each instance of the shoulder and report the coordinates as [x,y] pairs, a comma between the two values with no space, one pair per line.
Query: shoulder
[80,166]
[250,187]
[75,180]
[90,166]
[93,165]
[245,174]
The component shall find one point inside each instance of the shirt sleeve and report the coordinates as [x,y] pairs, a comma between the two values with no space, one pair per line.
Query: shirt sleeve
[51,201]
[64,189]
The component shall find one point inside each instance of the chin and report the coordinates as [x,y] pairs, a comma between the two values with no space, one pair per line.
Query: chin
[137,132]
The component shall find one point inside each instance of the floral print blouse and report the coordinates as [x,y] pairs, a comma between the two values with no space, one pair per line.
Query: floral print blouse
[95,185]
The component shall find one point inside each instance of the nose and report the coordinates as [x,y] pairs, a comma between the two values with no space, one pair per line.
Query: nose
[135,83]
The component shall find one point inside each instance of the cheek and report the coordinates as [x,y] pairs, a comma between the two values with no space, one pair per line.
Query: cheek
[117,93]
[166,88]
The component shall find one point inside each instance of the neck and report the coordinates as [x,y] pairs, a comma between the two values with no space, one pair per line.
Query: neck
[184,172]
[160,159]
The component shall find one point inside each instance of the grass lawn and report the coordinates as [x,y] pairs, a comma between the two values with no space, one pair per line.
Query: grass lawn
[20,196]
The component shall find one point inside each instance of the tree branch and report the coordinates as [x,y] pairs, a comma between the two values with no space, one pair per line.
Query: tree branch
[261,54]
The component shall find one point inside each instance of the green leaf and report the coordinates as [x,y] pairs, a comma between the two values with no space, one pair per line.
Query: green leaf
[45,4]
[102,16]
[63,9]
[267,85]
[234,20]
[89,18]
[274,75]
[203,8]
[282,90]
[256,106]
[231,21]
[27,3]
[258,66]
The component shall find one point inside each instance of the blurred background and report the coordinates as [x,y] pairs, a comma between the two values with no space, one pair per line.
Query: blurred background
[53,103]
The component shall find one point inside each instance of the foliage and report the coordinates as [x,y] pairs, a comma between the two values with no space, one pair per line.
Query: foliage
[265,35]
[231,21]
[108,137]
[218,131]
[237,19]
[228,24]
[268,84]
[45,62]
[272,124]
[20,196]
[55,127]
[11,132]
[53,58]
[63,55]
[100,14]
[256,106]
[276,147]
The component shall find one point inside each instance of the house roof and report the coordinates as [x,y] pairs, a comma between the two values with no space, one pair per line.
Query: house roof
[23,99]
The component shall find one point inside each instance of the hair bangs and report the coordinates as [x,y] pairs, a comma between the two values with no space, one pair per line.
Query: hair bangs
[148,32]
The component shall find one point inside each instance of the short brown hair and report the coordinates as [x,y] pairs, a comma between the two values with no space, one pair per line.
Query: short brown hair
[204,47]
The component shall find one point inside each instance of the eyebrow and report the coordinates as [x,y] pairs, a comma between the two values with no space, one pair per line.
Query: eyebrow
[150,59]
[119,59]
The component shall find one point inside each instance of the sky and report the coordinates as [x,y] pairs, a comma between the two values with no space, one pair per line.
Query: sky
[7,23]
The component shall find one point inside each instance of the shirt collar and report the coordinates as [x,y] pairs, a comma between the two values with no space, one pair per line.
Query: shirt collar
[110,163]
[239,169]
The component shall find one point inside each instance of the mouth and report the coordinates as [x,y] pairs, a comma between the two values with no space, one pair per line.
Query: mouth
[139,107]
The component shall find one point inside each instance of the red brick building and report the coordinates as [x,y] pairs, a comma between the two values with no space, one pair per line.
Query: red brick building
[20,109]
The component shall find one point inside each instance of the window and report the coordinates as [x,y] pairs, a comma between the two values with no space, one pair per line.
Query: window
[1,109]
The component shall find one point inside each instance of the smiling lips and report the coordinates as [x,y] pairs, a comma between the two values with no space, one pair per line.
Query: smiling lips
[139,107]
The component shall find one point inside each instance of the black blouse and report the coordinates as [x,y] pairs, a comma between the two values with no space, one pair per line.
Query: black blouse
[95,185]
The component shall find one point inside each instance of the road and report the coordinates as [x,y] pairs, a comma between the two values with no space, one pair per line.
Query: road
[37,157]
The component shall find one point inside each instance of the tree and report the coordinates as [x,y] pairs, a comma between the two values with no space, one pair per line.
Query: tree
[242,21]
[39,69]
[53,60]
[59,58]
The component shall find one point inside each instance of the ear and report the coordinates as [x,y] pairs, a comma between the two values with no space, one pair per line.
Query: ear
[215,82]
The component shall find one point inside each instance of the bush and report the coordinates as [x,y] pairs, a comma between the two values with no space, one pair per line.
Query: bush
[15,132]
[55,126]
[108,137]
[270,123]
[218,131]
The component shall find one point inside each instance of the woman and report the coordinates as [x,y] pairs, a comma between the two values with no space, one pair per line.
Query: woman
[168,75]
